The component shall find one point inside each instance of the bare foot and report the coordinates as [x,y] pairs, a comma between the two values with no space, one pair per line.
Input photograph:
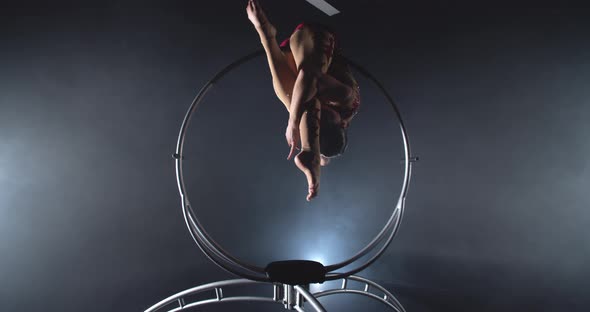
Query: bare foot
[259,20]
[309,163]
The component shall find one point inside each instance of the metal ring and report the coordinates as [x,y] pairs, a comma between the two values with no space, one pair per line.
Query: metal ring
[222,258]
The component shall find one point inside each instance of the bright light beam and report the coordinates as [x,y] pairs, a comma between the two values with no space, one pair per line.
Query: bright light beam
[324,7]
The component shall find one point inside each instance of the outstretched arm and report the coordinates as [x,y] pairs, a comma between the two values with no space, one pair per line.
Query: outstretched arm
[283,77]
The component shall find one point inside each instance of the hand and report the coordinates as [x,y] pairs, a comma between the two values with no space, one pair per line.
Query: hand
[258,18]
[293,138]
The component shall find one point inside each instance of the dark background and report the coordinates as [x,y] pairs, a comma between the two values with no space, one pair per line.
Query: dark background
[495,97]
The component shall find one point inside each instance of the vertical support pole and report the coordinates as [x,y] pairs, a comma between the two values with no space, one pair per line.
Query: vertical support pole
[276,292]
[289,296]
[219,293]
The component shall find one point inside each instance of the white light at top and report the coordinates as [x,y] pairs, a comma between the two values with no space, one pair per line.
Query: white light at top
[324,7]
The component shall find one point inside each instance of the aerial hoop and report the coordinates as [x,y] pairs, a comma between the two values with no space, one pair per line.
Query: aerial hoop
[289,279]
[312,273]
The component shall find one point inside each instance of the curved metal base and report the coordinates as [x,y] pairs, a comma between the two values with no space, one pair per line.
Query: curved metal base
[291,297]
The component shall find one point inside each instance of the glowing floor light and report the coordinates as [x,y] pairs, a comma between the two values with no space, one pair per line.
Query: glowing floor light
[317,258]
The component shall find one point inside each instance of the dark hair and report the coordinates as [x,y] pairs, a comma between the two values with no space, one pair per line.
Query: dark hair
[333,138]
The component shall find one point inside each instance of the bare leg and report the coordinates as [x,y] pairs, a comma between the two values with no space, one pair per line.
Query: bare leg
[308,160]
[282,65]
[305,108]
[300,77]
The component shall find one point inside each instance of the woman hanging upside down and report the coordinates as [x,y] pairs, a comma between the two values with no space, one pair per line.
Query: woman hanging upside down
[312,79]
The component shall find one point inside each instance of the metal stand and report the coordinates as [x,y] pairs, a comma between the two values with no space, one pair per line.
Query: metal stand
[291,297]
[288,281]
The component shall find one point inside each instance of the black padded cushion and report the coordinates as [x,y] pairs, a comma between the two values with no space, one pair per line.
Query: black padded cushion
[296,272]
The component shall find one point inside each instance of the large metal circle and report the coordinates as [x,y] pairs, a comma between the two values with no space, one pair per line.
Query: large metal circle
[233,265]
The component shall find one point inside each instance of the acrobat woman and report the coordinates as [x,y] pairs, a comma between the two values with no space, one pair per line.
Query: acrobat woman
[315,84]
